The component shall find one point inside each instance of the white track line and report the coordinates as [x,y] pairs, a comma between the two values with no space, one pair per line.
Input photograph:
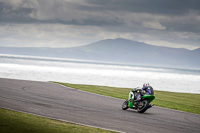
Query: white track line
[123,99]
[61,120]
[88,92]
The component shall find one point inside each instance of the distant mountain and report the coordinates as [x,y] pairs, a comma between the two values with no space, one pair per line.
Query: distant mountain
[119,51]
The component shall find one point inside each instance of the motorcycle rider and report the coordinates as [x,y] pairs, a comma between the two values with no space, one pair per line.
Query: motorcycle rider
[134,96]
[146,88]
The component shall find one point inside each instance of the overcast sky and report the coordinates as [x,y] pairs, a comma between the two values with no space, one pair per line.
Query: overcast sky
[68,23]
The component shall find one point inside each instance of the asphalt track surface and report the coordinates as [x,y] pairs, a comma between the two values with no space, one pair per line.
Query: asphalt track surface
[55,101]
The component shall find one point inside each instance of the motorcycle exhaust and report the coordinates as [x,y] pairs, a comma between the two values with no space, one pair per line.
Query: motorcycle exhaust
[151,105]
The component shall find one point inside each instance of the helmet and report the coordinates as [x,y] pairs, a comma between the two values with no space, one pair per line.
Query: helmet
[145,85]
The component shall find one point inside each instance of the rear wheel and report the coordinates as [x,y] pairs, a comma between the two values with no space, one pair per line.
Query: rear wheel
[143,106]
[125,105]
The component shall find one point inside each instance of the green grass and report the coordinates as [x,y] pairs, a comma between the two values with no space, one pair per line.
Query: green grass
[179,101]
[16,122]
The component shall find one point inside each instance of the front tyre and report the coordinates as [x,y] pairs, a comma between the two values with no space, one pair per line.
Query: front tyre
[125,105]
[143,106]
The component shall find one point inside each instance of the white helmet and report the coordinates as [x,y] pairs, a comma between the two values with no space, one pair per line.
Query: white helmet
[145,85]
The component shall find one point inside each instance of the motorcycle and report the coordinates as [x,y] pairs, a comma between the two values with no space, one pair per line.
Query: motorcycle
[141,101]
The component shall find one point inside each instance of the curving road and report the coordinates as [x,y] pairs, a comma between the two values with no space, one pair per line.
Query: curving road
[56,101]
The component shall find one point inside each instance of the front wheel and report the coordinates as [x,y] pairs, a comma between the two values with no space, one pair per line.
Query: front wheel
[143,106]
[125,105]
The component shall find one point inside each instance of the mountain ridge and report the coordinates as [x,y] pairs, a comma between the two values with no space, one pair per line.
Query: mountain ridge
[118,50]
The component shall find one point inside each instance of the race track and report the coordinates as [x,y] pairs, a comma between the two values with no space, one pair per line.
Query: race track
[53,100]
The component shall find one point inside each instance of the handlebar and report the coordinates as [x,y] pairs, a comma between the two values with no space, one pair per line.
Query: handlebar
[135,90]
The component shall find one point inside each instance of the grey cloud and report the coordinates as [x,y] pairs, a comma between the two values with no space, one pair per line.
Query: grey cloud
[10,14]
[156,18]
[84,22]
[168,7]
[93,13]
[192,26]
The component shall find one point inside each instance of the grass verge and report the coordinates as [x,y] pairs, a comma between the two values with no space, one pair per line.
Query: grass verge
[17,122]
[179,101]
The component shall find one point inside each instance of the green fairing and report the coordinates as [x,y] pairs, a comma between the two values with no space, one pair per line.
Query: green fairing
[149,98]
[130,104]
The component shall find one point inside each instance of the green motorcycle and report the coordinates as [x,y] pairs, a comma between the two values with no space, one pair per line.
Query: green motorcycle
[141,101]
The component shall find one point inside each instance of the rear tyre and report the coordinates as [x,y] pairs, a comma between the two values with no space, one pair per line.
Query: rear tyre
[143,106]
[125,105]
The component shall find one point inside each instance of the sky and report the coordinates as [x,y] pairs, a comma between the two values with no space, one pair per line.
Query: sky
[71,23]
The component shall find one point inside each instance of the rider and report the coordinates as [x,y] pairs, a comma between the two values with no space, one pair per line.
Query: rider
[146,88]
[134,97]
